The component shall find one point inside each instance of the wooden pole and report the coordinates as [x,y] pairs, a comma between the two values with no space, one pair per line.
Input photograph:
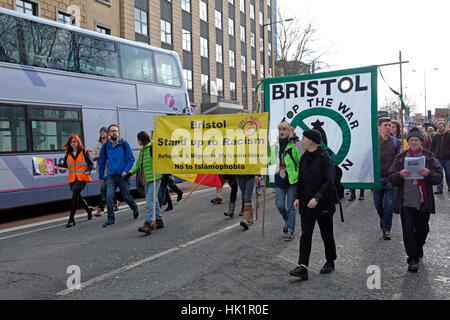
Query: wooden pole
[154,201]
[401,94]
[195,188]
[256,206]
[264,207]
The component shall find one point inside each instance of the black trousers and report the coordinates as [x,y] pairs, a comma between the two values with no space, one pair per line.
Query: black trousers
[77,200]
[415,230]
[326,231]
[232,182]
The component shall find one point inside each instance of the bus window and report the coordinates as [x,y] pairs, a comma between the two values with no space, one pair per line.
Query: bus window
[167,69]
[51,128]
[9,48]
[13,136]
[46,46]
[97,56]
[137,63]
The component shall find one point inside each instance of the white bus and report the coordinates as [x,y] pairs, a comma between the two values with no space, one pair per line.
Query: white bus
[57,80]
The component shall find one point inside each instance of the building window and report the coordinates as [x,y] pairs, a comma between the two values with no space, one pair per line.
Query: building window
[243,64]
[218,20]
[140,22]
[103,30]
[252,39]
[203,47]
[232,62]
[13,136]
[205,81]
[242,33]
[261,70]
[252,11]
[269,49]
[261,18]
[26,7]
[64,17]
[166,32]
[186,40]
[231,2]
[233,90]
[261,44]
[268,3]
[187,75]
[219,84]
[186,5]
[270,72]
[231,27]
[242,5]
[269,21]
[219,54]
[253,67]
[203,11]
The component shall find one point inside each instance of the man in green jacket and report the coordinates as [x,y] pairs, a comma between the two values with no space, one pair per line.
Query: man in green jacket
[144,167]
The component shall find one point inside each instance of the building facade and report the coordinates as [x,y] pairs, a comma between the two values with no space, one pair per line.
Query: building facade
[225,46]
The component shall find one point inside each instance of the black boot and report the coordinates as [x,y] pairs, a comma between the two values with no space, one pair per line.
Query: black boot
[352,195]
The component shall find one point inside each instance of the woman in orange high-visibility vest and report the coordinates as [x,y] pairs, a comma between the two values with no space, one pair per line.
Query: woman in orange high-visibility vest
[80,164]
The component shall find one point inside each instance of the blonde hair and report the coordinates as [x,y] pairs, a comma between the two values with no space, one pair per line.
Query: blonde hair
[286,125]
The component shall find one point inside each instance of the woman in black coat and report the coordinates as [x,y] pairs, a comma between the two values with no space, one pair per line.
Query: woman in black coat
[315,201]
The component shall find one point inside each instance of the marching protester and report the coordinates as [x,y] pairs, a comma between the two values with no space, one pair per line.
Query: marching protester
[414,200]
[232,182]
[353,194]
[116,156]
[164,194]
[95,154]
[218,199]
[426,138]
[286,176]
[440,146]
[396,129]
[315,202]
[247,185]
[79,163]
[430,132]
[388,148]
[144,167]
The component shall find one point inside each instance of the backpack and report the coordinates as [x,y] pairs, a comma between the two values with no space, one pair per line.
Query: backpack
[395,141]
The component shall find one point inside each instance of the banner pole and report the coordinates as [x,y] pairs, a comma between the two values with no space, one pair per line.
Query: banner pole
[264,207]
[154,201]
[401,94]
[256,197]
[195,188]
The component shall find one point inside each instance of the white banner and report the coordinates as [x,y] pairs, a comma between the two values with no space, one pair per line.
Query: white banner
[342,105]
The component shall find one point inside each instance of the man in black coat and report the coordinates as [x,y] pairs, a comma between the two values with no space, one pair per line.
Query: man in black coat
[315,201]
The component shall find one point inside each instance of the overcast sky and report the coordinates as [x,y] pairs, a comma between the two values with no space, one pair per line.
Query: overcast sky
[363,32]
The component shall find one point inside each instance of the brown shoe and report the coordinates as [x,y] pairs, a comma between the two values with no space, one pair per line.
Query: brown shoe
[159,224]
[146,228]
[230,212]
[248,216]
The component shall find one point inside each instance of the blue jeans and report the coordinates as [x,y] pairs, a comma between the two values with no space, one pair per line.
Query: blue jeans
[445,165]
[383,199]
[246,186]
[149,202]
[280,198]
[112,182]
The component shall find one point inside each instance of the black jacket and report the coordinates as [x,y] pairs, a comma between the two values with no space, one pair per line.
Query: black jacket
[316,180]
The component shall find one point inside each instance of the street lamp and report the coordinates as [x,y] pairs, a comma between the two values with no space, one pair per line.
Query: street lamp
[425,87]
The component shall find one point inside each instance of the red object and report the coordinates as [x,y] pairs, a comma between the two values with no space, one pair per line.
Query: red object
[211,180]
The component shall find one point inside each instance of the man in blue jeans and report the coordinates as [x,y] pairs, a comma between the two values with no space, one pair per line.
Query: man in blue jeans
[117,154]
[388,147]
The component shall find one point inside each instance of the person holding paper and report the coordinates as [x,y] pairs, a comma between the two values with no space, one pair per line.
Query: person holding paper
[414,199]
[80,164]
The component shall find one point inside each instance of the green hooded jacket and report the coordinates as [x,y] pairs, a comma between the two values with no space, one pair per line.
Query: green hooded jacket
[292,165]
[144,155]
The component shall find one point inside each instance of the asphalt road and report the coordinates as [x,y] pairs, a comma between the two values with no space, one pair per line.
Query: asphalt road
[201,254]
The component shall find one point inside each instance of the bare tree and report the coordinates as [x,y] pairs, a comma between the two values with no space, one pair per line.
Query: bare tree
[296,46]
[392,105]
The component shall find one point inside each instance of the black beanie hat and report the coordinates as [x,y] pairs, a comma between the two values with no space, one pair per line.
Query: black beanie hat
[415,132]
[103,129]
[313,135]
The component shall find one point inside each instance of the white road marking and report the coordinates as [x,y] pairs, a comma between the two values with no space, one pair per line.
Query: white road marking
[145,260]
[36,224]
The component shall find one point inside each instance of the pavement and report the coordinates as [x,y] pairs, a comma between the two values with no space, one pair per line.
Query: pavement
[203,255]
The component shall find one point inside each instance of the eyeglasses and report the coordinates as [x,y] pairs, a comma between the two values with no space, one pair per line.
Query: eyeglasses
[74,141]
[113,130]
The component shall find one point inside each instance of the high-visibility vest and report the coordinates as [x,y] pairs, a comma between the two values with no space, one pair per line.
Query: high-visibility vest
[77,168]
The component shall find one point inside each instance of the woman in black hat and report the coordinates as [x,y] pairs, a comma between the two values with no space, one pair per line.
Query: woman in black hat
[314,199]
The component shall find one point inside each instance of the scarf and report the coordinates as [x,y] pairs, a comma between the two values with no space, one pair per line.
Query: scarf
[420,182]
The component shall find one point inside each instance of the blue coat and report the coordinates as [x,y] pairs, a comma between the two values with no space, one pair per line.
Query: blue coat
[118,160]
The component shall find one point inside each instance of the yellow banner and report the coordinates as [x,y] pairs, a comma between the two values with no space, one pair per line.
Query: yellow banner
[211,144]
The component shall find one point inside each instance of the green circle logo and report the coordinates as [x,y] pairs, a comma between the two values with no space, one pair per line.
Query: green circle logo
[298,121]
